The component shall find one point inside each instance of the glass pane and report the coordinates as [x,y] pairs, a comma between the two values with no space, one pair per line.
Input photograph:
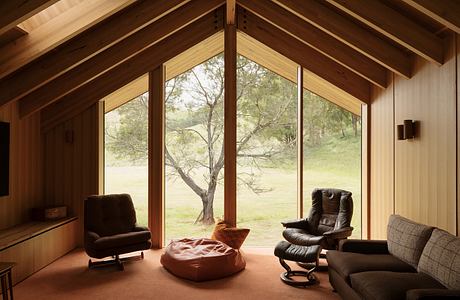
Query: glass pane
[126,153]
[266,143]
[194,151]
[332,152]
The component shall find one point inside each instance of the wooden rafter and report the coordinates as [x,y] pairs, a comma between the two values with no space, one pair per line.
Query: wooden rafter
[109,58]
[446,12]
[395,26]
[304,55]
[230,125]
[13,12]
[55,32]
[83,47]
[352,34]
[90,93]
[319,40]
[230,12]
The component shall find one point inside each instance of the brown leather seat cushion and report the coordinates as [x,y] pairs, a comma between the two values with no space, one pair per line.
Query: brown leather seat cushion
[302,237]
[122,240]
[347,263]
[201,259]
[390,285]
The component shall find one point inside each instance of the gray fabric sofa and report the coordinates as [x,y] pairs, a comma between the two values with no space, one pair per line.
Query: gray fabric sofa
[415,262]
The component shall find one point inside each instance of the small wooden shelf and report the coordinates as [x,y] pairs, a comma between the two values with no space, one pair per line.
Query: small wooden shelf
[18,234]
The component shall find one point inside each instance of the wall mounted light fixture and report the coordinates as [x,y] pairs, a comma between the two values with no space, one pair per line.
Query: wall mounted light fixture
[407,130]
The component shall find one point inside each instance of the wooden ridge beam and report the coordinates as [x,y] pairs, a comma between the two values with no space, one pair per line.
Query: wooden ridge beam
[83,47]
[351,34]
[304,55]
[56,32]
[446,12]
[318,39]
[395,26]
[230,12]
[14,12]
[91,92]
[109,58]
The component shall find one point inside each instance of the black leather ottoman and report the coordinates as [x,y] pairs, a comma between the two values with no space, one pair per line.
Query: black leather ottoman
[304,254]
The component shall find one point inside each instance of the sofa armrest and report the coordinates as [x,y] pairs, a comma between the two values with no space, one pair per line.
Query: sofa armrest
[301,224]
[364,246]
[341,233]
[140,228]
[91,237]
[432,294]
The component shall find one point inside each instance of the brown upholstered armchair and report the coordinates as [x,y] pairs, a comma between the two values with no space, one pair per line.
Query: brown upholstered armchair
[328,221]
[111,230]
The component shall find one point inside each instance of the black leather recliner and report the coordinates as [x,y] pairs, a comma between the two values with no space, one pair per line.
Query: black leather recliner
[328,221]
[111,229]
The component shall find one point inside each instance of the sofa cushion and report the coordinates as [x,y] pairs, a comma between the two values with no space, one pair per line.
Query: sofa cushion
[406,239]
[347,263]
[120,240]
[384,285]
[441,259]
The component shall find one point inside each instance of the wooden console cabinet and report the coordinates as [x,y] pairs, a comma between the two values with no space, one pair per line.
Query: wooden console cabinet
[35,245]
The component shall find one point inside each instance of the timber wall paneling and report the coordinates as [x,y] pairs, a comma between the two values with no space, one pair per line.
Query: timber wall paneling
[418,178]
[72,162]
[457,37]
[26,167]
[382,160]
[425,172]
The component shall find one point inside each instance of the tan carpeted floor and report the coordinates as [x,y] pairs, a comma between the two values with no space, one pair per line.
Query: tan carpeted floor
[69,278]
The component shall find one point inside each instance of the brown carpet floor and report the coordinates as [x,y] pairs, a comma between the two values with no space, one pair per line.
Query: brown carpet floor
[69,278]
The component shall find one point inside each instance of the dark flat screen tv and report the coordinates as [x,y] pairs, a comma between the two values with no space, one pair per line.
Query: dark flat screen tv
[4,158]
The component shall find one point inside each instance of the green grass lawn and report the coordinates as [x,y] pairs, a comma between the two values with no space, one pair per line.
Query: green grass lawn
[331,165]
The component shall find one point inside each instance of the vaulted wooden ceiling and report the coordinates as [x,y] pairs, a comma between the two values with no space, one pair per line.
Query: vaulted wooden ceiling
[60,57]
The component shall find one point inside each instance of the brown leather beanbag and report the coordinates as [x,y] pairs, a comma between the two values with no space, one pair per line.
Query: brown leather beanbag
[201,259]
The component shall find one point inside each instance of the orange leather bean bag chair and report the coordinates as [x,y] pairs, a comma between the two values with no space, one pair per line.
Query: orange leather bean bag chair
[201,259]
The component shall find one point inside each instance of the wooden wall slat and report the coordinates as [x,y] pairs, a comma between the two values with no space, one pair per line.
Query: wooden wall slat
[382,171]
[72,168]
[26,170]
[425,172]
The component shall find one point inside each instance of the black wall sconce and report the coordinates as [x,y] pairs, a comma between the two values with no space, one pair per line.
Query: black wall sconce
[407,130]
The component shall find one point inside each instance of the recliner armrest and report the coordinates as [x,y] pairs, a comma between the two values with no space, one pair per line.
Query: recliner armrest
[432,294]
[91,236]
[140,228]
[341,233]
[364,246]
[301,224]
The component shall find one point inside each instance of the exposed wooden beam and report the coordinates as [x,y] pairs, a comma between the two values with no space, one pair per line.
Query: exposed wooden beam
[156,144]
[14,12]
[446,12]
[352,34]
[55,32]
[318,39]
[90,93]
[395,26]
[109,58]
[83,47]
[230,124]
[304,55]
[231,12]
[11,35]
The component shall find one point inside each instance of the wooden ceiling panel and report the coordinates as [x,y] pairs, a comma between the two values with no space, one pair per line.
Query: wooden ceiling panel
[111,57]
[11,35]
[55,32]
[352,34]
[446,12]
[304,55]
[400,29]
[319,40]
[13,12]
[95,90]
